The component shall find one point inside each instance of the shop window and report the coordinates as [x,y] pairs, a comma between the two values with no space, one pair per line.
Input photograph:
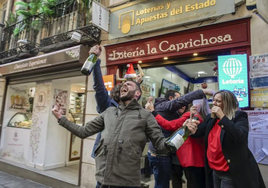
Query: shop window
[19,105]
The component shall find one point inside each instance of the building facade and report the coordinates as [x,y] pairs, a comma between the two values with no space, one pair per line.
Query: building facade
[148,34]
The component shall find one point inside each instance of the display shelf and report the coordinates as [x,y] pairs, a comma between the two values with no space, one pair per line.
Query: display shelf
[20,120]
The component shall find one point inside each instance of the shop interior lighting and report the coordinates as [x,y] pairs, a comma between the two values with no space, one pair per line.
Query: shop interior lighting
[195,54]
[165,58]
[82,88]
[139,61]
[201,73]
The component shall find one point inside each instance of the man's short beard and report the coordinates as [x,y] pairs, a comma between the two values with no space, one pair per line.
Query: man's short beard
[128,97]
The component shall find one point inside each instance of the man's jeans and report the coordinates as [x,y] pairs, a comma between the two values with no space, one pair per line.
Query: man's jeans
[161,166]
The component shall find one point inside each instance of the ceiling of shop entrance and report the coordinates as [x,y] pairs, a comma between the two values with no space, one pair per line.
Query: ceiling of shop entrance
[191,70]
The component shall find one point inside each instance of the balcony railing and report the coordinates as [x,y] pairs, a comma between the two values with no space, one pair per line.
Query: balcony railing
[40,33]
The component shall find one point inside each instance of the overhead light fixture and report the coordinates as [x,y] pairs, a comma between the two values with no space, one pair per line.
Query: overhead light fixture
[199,73]
[146,76]
[165,58]
[139,61]
[195,54]
[82,88]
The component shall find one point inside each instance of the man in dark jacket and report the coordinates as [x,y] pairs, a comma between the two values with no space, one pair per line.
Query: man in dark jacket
[124,132]
[167,107]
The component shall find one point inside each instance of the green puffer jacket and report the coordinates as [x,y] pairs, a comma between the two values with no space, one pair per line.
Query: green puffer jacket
[124,134]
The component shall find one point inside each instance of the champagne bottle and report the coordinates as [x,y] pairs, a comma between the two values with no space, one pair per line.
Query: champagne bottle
[174,142]
[89,64]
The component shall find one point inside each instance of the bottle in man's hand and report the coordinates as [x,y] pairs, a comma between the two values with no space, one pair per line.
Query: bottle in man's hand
[175,141]
[90,62]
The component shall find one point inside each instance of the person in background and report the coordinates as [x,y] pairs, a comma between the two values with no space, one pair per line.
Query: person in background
[228,160]
[145,100]
[124,132]
[192,153]
[167,107]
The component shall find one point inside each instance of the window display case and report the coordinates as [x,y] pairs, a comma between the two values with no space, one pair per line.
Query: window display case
[21,120]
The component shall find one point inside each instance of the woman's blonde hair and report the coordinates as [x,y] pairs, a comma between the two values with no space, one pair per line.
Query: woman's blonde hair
[229,101]
[204,110]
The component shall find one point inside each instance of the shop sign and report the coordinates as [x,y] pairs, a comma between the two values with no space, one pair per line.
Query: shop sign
[233,76]
[207,38]
[59,57]
[100,16]
[259,98]
[108,82]
[145,16]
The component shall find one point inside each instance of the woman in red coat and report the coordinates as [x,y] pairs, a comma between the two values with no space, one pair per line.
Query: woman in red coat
[192,153]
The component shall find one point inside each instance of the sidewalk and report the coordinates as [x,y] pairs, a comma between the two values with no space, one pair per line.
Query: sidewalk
[10,181]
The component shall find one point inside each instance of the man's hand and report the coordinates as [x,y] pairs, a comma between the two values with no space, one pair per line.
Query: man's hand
[149,106]
[139,78]
[193,111]
[95,50]
[210,92]
[56,111]
[191,125]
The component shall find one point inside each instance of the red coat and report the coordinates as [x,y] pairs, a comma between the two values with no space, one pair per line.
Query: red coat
[192,151]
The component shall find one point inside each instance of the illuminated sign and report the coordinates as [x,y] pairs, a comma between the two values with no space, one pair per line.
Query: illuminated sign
[109,82]
[233,76]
